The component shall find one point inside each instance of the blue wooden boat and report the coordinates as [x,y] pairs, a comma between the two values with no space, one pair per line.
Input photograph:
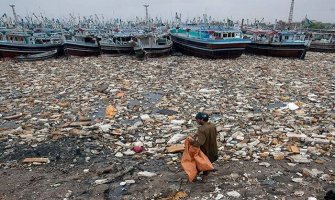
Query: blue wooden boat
[288,44]
[209,42]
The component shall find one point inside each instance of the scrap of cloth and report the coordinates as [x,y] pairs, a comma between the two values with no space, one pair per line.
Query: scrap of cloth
[194,161]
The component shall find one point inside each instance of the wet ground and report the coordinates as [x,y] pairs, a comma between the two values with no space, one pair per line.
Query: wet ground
[64,175]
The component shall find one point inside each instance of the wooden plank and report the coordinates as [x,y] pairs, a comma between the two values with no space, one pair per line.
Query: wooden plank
[175,148]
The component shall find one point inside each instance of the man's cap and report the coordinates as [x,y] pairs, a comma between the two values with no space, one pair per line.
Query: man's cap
[202,115]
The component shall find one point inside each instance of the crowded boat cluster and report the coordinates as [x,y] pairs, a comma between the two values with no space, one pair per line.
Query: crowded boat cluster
[202,38]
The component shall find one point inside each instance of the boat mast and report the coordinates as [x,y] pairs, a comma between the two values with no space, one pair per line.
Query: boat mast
[38,20]
[146,14]
[290,17]
[14,13]
[2,19]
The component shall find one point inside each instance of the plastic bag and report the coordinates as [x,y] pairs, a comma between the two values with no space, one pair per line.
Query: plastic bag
[194,160]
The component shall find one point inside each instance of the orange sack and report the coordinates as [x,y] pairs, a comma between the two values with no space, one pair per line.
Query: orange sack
[194,161]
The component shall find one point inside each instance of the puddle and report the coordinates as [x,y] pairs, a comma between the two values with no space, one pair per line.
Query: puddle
[9,125]
[63,150]
[166,112]
[15,94]
[99,112]
[276,105]
[153,97]
[133,103]
[36,110]
[268,182]
[153,166]
[60,96]
[257,110]
[116,193]
[129,122]
[150,99]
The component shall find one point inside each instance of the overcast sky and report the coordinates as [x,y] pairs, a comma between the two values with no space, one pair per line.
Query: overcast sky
[322,10]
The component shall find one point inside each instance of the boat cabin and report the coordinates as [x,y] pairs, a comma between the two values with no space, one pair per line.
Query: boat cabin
[145,40]
[121,39]
[152,40]
[43,38]
[220,35]
[18,38]
[271,36]
[92,32]
[87,35]
[86,39]
[323,37]
[289,36]
[210,34]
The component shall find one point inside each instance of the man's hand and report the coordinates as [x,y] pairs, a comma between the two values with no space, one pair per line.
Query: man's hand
[191,139]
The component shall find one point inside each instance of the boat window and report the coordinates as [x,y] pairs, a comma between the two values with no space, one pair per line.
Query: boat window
[224,35]
[233,34]
[286,37]
[217,34]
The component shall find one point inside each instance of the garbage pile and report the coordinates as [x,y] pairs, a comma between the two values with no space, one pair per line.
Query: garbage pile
[264,108]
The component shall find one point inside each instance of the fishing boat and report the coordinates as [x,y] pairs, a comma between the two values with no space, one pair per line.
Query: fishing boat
[288,44]
[15,44]
[38,57]
[151,45]
[216,42]
[323,42]
[119,43]
[83,43]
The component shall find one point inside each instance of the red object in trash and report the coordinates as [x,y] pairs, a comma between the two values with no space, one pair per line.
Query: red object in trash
[137,149]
